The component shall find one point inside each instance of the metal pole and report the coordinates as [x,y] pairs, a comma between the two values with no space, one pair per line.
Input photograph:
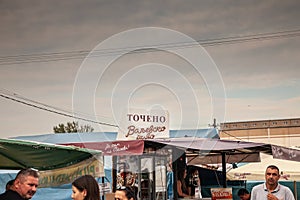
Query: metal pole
[174,169]
[139,195]
[114,173]
[295,190]
[224,169]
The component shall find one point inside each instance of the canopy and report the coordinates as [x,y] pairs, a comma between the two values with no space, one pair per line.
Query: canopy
[203,150]
[198,150]
[210,150]
[17,154]
[290,170]
[107,143]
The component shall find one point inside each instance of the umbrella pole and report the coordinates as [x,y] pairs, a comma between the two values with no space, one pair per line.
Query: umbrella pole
[224,169]
[295,190]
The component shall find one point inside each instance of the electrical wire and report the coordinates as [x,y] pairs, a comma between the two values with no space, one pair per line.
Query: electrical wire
[71,55]
[52,109]
[17,96]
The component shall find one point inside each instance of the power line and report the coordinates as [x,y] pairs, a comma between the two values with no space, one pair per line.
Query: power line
[52,109]
[71,55]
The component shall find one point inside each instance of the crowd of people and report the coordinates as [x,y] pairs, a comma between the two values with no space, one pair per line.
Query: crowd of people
[25,185]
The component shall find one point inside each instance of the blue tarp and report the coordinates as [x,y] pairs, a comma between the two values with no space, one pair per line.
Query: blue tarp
[63,138]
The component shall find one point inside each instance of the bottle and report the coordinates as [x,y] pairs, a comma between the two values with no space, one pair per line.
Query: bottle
[197,193]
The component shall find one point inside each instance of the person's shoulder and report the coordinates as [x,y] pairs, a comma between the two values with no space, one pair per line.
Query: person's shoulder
[258,186]
[10,194]
[283,186]
[3,195]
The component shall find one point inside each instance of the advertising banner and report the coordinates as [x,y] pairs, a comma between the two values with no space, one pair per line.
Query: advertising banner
[221,193]
[93,166]
[138,124]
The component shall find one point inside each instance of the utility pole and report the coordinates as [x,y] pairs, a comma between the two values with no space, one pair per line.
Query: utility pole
[214,125]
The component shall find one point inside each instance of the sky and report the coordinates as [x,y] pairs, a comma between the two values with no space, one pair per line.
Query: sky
[52,51]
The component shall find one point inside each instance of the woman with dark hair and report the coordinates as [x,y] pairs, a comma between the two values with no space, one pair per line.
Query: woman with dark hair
[85,188]
[182,188]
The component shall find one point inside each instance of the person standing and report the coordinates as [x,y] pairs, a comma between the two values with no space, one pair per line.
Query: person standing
[85,188]
[271,189]
[170,181]
[182,189]
[24,186]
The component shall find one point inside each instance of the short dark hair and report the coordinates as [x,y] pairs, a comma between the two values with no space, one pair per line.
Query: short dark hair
[9,184]
[242,191]
[273,167]
[23,173]
[130,192]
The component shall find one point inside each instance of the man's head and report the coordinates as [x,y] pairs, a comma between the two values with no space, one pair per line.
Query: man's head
[272,176]
[125,193]
[244,194]
[26,183]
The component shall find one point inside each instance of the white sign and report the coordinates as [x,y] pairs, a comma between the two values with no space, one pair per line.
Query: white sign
[139,124]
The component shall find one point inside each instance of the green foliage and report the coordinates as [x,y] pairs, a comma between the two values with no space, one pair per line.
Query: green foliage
[72,127]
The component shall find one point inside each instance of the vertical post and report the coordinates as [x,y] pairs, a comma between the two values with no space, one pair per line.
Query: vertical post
[139,196]
[224,169]
[295,190]
[114,173]
[103,186]
[153,195]
[174,169]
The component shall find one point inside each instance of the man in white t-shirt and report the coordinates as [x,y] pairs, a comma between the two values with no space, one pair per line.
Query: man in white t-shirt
[271,189]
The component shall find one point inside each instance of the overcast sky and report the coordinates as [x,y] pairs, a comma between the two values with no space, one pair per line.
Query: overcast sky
[260,77]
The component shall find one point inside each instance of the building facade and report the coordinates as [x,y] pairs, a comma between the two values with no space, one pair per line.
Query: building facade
[284,132]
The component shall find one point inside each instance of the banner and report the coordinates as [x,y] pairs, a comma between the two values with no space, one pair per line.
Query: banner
[221,193]
[138,124]
[114,148]
[93,166]
[285,153]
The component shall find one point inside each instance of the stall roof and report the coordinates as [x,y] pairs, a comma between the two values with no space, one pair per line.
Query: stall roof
[61,138]
[205,151]
[198,150]
[17,154]
[234,150]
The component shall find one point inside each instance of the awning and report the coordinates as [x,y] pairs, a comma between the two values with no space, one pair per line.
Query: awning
[202,150]
[199,150]
[209,151]
[290,170]
[17,154]
[212,147]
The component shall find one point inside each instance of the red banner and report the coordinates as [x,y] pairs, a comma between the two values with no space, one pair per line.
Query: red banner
[114,148]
